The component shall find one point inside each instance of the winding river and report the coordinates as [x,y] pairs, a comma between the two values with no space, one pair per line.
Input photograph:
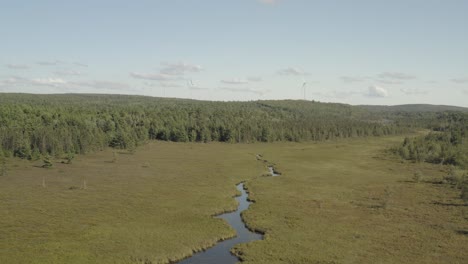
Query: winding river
[221,253]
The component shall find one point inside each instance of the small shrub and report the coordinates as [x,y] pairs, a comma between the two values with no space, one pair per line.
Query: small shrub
[70,157]
[35,155]
[46,162]
[455,178]
[417,176]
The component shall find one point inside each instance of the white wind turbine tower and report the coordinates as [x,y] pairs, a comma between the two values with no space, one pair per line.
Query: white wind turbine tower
[303,88]
[190,87]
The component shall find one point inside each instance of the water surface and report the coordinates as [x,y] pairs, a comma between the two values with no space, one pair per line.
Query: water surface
[220,253]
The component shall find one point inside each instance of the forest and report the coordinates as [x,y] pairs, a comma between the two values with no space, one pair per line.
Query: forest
[36,125]
[447,143]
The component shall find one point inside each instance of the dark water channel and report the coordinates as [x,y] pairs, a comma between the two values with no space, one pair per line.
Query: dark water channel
[220,253]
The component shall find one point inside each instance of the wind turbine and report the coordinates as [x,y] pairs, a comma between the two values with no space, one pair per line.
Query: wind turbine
[190,87]
[303,88]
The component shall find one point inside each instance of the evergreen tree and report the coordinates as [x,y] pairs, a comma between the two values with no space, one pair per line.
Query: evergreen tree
[46,162]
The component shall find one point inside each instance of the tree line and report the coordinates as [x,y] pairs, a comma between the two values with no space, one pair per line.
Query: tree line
[447,143]
[35,125]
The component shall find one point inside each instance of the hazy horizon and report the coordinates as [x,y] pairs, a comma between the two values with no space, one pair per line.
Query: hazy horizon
[360,52]
[227,100]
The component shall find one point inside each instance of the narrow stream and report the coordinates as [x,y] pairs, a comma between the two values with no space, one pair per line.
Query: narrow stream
[220,253]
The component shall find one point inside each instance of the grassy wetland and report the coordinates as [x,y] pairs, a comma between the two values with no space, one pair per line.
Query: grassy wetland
[335,202]
[349,202]
[155,204]
[127,179]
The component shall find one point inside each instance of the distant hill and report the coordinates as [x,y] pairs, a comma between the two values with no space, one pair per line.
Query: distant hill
[413,108]
[296,105]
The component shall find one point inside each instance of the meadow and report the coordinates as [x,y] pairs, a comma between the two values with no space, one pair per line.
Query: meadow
[343,201]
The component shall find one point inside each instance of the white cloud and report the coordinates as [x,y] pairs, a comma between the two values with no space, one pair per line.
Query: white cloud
[254,79]
[396,76]
[413,91]
[268,2]
[151,76]
[17,66]
[291,71]
[67,73]
[235,81]
[336,94]
[59,62]
[20,84]
[180,68]
[460,80]
[49,63]
[60,85]
[53,82]
[245,90]
[377,91]
[169,85]
[80,64]
[342,94]
[99,85]
[387,81]
[12,82]
[170,72]
[198,88]
[349,79]
[104,85]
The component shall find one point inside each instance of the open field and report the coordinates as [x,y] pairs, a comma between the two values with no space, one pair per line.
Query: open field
[155,204]
[336,202]
[348,202]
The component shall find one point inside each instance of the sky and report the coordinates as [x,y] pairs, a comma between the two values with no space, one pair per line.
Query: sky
[355,52]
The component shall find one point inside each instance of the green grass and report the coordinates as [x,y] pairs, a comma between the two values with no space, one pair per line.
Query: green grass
[349,202]
[335,202]
[154,205]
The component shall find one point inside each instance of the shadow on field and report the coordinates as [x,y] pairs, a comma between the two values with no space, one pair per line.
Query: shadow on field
[448,204]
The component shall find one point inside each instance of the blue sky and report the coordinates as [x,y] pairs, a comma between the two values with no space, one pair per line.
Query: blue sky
[357,52]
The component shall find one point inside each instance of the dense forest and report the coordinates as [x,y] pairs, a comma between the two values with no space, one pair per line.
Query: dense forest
[35,125]
[447,143]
